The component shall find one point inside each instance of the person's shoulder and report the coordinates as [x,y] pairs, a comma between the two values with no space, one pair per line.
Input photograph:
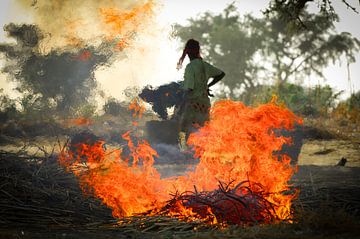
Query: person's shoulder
[190,65]
[206,63]
[195,63]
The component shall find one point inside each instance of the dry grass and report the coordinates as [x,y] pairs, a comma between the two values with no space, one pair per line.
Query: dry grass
[37,192]
[39,200]
[337,128]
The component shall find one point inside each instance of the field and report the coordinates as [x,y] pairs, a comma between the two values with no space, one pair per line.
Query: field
[40,200]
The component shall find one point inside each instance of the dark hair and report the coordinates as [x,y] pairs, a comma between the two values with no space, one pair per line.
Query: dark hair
[192,48]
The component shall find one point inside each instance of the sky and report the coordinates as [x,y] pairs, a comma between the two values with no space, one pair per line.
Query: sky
[158,64]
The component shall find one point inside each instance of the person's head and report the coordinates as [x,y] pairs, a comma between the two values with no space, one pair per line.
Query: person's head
[192,49]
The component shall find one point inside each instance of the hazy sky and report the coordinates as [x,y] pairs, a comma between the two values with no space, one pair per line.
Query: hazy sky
[178,11]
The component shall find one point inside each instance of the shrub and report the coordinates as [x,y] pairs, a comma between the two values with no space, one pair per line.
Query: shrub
[316,101]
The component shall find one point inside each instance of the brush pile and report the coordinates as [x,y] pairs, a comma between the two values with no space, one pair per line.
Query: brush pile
[244,204]
[37,191]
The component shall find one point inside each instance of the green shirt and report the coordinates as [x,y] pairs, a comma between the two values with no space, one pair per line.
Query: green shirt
[196,76]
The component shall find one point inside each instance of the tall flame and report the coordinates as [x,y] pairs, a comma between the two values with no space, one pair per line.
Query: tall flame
[236,145]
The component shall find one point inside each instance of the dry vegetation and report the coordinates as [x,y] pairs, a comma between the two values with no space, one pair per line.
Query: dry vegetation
[40,200]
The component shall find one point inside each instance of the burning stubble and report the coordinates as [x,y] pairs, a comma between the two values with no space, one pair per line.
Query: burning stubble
[235,147]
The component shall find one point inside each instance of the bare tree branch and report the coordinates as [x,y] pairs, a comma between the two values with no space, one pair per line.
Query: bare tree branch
[350,6]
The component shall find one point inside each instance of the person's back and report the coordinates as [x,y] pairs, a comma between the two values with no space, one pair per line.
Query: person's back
[197,74]
[196,101]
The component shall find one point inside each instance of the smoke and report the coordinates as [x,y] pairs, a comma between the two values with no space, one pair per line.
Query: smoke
[171,154]
[62,76]
[130,26]
[71,22]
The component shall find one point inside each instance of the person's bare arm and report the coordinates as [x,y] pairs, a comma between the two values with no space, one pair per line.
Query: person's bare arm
[215,80]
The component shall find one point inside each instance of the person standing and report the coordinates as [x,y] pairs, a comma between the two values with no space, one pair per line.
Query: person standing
[196,105]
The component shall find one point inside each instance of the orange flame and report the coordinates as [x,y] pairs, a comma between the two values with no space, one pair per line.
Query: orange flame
[236,145]
[78,121]
[84,56]
[124,24]
[137,107]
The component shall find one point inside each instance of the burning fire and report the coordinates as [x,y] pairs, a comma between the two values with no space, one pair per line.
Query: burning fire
[84,56]
[238,179]
[125,24]
[78,122]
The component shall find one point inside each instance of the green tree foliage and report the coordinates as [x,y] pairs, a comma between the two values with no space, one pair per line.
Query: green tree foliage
[267,50]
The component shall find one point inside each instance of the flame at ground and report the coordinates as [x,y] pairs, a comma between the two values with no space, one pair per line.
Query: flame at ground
[78,122]
[236,145]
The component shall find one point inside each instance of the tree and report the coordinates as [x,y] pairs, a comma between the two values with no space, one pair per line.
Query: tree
[290,11]
[305,51]
[257,50]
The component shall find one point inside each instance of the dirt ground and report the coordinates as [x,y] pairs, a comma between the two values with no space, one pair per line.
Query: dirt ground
[329,152]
